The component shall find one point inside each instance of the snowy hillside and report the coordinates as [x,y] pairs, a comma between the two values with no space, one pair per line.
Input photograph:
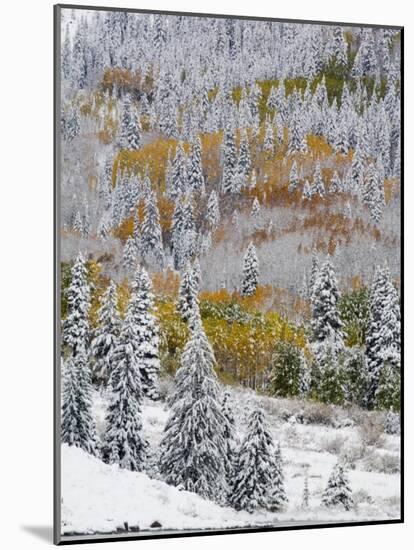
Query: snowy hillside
[100,498]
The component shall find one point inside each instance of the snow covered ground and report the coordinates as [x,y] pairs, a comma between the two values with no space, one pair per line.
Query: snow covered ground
[98,498]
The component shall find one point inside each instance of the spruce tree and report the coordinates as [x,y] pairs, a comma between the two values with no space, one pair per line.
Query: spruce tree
[145,326]
[106,334]
[293,178]
[330,375]
[338,491]
[187,303]
[134,131]
[326,324]
[253,483]
[129,256]
[77,425]
[277,499]
[250,280]
[318,187]
[193,450]
[213,212]
[244,163]
[229,162]
[383,337]
[151,236]
[231,440]
[286,370]
[75,329]
[306,493]
[178,181]
[124,443]
[195,169]
[336,184]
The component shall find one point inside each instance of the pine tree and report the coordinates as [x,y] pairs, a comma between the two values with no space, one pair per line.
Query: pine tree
[178,182]
[193,451]
[318,187]
[77,425]
[213,212]
[338,491]
[314,273]
[188,294]
[75,330]
[355,376]
[145,326]
[388,395]
[244,163]
[293,178]
[383,338]
[329,382]
[277,498]
[286,370]
[106,334]
[231,439]
[195,172]
[229,162]
[250,272]
[326,323]
[306,493]
[125,121]
[151,236]
[336,184]
[307,192]
[124,443]
[129,257]
[134,131]
[253,483]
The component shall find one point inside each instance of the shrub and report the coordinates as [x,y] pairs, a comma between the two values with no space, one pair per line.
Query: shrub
[371,431]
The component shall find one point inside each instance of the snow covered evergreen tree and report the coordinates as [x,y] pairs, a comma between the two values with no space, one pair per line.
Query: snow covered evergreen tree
[250,280]
[338,491]
[195,169]
[287,369]
[231,440]
[278,499]
[383,338]
[124,442]
[145,326]
[129,257]
[106,334]
[229,162]
[306,493]
[293,178]
[75,329]
[77,425]
[193,450]
[151,236]
[188,294]
[213,212]
[318,187]
[253,484]
[178,181]
[326,323]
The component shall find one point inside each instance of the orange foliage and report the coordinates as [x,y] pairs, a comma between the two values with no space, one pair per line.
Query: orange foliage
[166,282]
[125,230]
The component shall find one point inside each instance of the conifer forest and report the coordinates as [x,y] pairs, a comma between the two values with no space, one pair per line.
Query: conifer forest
[230,242]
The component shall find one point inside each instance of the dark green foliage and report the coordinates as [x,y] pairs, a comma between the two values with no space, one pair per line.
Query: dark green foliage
[286,370]
[388,394]
[355,376]
[354,312]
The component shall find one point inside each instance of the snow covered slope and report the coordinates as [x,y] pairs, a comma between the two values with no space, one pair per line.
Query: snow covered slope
[98,498]
[101,498]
